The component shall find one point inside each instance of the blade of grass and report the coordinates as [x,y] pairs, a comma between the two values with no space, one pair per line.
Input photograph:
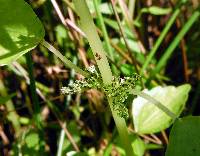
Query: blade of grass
[12,114]
[123,36]
[61,141]
[19,70]
[162,62]
[131,7]
[68,99]
[125,41]
[89,28]
[67,62]
[66,22]
[35,101]
[103,27]
[130,23]
[160,39]
[125,12]
[62,124]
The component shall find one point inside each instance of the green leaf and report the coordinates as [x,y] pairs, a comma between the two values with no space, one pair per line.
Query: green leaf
[133,45]
[20,30]
[3,100]
[127,69]
[138,146]
[113,24]
[150,119]
[184,137]
[61,34]
[32,140]
[24,120]
[106,8]
[156,10]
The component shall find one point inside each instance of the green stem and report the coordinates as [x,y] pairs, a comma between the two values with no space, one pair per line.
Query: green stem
[63,125]
[124,37]
[89,28]
[12,114]
[131,7]
[160,39]
[61,142]
[123,131]
[155,102]
[67,62]
[34,96]
[68,99]
[125,12]
[103,27]
[176,41]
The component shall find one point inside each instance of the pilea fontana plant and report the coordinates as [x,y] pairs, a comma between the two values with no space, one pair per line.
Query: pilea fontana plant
[21,31]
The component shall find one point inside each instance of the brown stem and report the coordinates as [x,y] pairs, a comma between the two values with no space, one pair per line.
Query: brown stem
[165,137]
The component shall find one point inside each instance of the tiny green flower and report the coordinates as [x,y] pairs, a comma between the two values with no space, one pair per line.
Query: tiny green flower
[118,90]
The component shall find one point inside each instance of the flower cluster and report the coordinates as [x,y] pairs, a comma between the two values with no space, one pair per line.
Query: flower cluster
[118,90]
[92,81]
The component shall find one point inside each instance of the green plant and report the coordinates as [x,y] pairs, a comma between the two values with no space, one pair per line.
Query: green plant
[22,34]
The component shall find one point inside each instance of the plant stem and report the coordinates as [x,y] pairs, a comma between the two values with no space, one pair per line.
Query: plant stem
[132,7]
[125,12]
[125,41]
[67,62]
[68,99]
[89,28]
[176,41]
[124,38]
[34,96]
[63,125]
[160,39]
[61,142]
[12,114]
[103,27]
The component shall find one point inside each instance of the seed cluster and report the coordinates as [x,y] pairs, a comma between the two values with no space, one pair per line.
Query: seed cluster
[118,90]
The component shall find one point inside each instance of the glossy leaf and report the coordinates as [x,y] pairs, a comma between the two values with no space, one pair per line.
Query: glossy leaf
[20,30]
[184,137]
[150,119]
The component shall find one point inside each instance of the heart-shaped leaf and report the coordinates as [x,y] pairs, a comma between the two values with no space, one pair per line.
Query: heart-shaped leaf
[20,30]
[184,137]
[150,119]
